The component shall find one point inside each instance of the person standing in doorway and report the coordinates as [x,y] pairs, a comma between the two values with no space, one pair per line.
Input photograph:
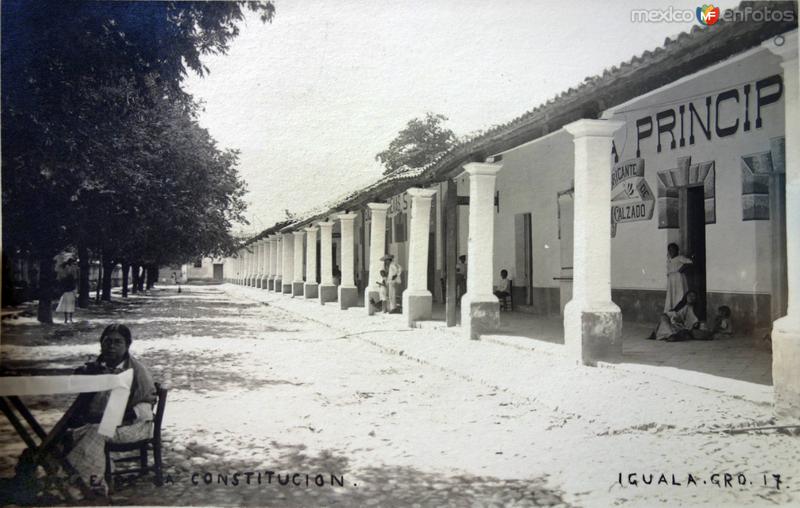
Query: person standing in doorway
[677,286]
[68,280]
[461,276]
[394,279]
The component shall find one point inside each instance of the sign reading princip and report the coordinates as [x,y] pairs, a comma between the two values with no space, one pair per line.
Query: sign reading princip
[631,197]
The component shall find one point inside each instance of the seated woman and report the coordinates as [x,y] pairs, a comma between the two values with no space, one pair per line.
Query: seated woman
[681,323]
[87,455]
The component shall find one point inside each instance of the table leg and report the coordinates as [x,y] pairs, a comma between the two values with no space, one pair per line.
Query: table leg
[23,433]
[28,416]
[46,453]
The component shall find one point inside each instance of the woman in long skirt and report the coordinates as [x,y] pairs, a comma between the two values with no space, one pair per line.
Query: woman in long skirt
[677,286]
[66,303]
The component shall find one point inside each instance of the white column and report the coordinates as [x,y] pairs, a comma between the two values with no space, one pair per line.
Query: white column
[279,265]
[348,292]
[480,310]
[297,281]
[288,262]
[310,288]
[236,268]
[262,270]
[248,258]
[786,330]
[253,263]
[417,300]
[259,252]
[592,322]
[273,261]
[377,245]
[242,265]
[267,266]
[327,289]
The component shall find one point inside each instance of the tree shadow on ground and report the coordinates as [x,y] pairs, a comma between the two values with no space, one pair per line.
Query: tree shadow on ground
[384,485]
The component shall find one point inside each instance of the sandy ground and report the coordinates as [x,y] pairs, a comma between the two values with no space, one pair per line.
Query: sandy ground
[265,383]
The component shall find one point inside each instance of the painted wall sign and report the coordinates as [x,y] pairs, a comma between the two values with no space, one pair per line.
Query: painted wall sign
[696,119]
[398,204]
[631,197]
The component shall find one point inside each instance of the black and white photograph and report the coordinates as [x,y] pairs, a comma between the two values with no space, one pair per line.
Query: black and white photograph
[442,253]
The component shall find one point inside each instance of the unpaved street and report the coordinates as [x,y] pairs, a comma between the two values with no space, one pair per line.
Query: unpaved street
[258,387]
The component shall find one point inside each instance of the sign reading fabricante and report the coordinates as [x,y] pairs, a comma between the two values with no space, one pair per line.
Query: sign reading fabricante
[631,197]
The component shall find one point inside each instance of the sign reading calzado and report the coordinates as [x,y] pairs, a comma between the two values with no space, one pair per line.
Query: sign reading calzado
[631,198]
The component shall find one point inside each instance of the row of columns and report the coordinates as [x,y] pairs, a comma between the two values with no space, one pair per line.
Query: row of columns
[277,262]
[592,322]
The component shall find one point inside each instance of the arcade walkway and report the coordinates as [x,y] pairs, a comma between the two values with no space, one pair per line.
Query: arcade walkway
[737,358]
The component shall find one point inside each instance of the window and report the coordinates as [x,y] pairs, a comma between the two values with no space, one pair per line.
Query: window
[198,263]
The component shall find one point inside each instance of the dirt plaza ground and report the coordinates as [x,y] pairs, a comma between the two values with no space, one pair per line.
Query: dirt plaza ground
[293,392]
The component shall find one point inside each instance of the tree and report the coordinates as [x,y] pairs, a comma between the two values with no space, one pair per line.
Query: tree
[87,89]
[422,140]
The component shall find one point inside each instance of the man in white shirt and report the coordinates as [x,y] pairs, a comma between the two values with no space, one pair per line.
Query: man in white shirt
[504,289]
[394,279]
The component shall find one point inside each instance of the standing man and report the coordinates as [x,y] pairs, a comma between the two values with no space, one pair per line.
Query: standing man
[393,280]
[461,276]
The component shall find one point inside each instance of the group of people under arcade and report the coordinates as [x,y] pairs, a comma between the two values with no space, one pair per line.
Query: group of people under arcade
[679,321]
[389,286]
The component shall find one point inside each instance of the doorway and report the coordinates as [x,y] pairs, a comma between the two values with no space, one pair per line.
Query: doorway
[218,271]
[432,261]
[693,242]
[524,257]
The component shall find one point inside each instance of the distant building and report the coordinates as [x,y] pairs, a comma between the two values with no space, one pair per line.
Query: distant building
[203,269]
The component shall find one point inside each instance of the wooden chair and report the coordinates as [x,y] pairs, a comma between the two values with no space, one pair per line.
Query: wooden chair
[507,302]
[142,447]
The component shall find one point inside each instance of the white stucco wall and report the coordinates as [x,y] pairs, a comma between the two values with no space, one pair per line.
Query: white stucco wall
[529,182]
[738,256]
[738,253]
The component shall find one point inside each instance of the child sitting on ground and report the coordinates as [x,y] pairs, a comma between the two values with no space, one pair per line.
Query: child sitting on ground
[722,323]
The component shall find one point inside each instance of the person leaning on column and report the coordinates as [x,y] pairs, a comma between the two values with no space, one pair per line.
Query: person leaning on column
[394,279]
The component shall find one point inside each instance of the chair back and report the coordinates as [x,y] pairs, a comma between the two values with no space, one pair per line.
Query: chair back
[158,417]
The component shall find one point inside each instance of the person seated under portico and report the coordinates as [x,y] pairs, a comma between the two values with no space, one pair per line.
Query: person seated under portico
[503,291]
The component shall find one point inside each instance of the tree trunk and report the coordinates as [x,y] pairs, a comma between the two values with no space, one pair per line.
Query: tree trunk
[152,275]
[8,280]
[99,282]
[142,273]
[108,271]
[125,269]
[47,278]
[83,277]
[134,278]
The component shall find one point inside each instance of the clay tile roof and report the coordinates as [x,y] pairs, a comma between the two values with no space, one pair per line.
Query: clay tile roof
[680,56]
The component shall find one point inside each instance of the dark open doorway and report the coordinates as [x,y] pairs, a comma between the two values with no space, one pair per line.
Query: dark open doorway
[693,233]
[319,257]
[523,235]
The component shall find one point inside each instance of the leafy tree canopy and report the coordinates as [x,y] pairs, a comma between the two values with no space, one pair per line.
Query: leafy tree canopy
[100,146]
[422,140]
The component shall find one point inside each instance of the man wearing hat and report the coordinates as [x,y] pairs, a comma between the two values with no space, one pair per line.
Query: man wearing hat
[87,455]
[393,280]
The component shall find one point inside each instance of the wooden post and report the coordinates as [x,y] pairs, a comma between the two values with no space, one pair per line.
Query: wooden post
[450,251]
